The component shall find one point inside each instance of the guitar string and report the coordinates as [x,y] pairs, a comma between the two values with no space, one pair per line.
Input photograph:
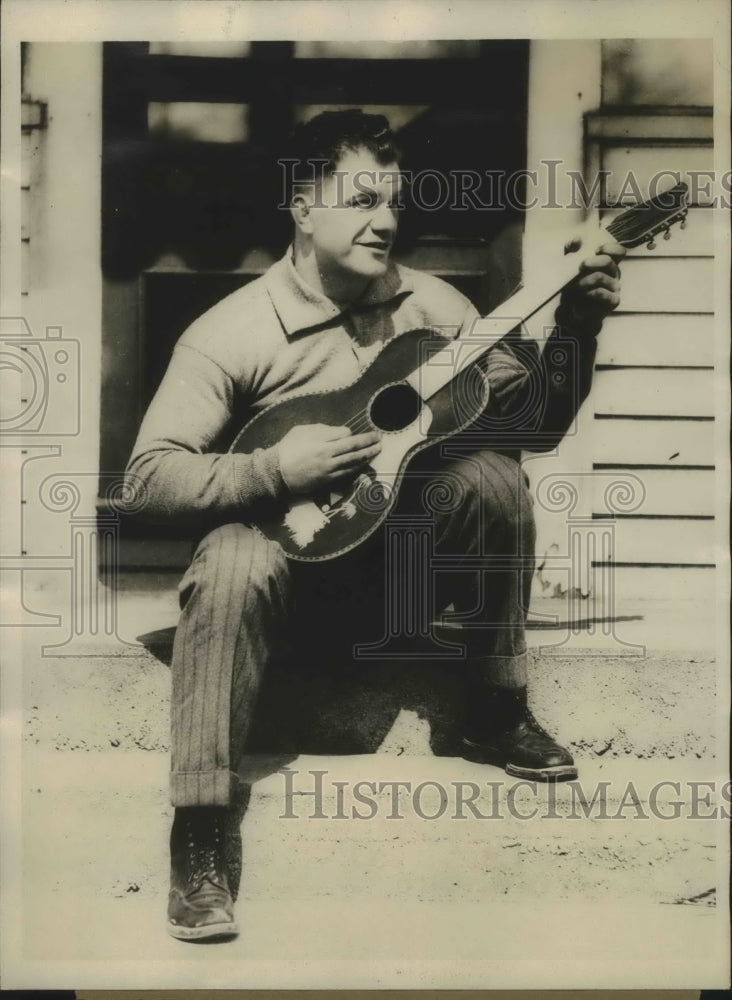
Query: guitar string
[359,422]
[621,228]
[626,228]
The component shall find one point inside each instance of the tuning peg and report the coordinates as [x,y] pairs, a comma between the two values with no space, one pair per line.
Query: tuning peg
[682,224]
[667,233]
[651,245]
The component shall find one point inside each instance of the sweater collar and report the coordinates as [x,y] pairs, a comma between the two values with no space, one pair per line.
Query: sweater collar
[300,307]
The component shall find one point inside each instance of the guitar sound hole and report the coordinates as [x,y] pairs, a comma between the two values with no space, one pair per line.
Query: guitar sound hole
[395,407]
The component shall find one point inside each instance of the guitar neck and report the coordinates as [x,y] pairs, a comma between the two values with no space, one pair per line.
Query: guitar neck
[639,224]
[446,364]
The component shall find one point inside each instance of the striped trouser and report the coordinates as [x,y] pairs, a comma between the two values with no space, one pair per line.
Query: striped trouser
[244,603]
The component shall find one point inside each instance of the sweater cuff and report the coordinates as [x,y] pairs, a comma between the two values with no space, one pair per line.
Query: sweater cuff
[257,477]
[572,323]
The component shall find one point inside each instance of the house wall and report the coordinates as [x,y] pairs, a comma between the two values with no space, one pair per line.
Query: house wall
[557,102]
[643,447]
[58,314]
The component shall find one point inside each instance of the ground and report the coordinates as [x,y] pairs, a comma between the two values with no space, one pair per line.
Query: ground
[425,884]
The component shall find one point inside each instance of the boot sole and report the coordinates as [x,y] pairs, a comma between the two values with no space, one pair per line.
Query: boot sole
[207,931]
[560,772]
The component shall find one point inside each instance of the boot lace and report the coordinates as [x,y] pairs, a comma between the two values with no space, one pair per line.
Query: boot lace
[204,857]
[531,723]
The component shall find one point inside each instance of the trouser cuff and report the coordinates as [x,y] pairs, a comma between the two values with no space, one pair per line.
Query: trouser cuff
[202,788]
[500,671]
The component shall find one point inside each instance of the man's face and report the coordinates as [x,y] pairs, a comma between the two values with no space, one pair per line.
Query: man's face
[354,217]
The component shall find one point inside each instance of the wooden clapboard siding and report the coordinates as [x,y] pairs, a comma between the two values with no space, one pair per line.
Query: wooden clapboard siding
[653,398]
[668,492]
[676,285]
[655,442]
[667,583]
[681,340]
[691,126]
[649,391]
[646,163]
[696,239]
[659,542]
[654,363]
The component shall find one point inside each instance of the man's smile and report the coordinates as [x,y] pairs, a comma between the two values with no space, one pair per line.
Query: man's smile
[379,245]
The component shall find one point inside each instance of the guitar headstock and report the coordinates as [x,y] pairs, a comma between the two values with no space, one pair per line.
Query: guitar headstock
[641,223]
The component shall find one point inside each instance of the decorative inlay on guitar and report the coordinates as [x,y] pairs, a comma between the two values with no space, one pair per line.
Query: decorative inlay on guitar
[420,389]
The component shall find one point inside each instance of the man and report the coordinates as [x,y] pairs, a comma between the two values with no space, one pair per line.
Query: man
[313,322]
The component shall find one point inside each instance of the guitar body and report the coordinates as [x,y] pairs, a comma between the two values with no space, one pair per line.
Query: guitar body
[324,526]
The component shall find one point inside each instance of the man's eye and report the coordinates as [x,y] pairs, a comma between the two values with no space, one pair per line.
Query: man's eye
[365,200]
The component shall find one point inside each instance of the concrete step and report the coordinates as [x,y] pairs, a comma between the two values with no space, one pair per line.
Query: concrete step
[662,705]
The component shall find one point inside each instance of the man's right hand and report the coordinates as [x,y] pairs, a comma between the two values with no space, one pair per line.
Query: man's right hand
[314,455]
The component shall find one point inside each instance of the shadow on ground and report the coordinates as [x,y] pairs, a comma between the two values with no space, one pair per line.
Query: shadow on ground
[342,706]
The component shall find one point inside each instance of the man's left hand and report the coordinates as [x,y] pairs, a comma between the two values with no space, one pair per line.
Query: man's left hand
[595,292]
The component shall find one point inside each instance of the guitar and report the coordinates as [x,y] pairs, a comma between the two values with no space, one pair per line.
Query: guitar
[420,389]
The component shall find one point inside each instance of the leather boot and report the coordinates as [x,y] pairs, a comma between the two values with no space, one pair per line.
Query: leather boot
[500,729]
[200,904]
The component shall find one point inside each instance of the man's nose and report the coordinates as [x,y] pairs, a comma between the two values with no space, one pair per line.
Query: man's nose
[384,219]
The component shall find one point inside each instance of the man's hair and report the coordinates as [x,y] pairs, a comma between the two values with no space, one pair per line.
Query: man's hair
[317,146]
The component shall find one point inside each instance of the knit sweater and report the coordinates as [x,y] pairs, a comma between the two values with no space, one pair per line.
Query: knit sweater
[277,337]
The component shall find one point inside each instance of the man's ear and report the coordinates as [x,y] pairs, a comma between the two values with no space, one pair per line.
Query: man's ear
[300,211]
